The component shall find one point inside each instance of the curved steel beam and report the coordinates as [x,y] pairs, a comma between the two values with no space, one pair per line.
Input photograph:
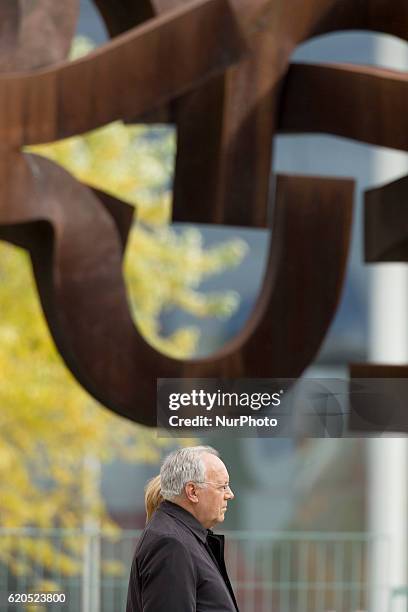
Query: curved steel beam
[76,252]
[357,102]
[128,76]
[386,222]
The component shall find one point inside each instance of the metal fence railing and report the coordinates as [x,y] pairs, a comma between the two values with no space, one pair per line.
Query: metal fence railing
[283,572]
[302,572]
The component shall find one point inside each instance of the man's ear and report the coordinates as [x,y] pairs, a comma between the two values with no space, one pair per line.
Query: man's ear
[190,490]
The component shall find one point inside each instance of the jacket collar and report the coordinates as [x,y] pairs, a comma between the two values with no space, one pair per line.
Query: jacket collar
[185,517]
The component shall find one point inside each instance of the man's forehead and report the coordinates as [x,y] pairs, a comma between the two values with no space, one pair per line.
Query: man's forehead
[213,464]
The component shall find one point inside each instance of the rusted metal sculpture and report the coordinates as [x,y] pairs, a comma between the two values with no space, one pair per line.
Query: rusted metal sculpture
[221,71]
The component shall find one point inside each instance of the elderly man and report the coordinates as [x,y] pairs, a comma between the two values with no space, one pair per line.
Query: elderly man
[179,563]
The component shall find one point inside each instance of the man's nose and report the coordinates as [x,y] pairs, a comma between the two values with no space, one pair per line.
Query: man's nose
[230,493]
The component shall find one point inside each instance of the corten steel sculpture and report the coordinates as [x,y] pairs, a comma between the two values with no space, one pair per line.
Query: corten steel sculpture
[221,71]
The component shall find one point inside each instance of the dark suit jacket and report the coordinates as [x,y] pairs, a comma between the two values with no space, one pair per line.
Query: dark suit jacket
[179,567]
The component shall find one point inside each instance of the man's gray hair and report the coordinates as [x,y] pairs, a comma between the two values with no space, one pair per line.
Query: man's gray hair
[182,466]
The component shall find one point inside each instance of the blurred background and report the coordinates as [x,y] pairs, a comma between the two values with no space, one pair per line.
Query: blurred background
[317,524]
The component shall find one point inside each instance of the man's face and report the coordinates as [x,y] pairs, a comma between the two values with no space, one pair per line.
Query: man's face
[215,494]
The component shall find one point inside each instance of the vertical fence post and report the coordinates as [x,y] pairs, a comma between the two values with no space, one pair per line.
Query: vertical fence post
[91,572]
